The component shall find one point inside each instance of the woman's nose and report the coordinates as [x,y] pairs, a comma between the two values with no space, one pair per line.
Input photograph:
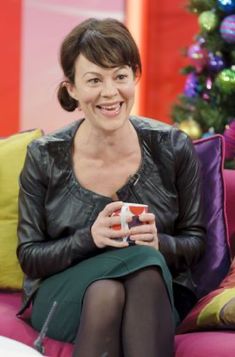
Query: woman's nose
[109,89]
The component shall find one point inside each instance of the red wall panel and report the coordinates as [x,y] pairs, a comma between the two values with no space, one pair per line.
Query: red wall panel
[10,38]
[168,28]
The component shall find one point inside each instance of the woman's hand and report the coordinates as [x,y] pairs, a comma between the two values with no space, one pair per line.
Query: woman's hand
[102,232]
[146,233]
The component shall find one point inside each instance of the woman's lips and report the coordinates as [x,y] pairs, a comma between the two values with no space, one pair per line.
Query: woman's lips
[110,110]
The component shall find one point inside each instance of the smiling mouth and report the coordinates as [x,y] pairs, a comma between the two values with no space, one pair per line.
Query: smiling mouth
[110,110]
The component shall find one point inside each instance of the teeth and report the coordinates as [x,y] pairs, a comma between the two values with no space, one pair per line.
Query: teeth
[111,107]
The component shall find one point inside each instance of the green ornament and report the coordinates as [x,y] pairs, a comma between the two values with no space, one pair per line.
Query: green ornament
[232,57]
[208,21]
[200,5]
[226,81]
[197,2]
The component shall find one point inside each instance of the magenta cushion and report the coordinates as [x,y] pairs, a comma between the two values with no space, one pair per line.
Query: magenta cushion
[205,344]
[20,330]
[216,261]
[230,205]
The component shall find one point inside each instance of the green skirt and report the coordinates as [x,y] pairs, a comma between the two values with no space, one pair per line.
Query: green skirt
[67,288]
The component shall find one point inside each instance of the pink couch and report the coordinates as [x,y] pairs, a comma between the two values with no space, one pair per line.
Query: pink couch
[196,344]
[213,343]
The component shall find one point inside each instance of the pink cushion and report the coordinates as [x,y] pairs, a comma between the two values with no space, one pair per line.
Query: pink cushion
[205,344]
[198,344]
[229,176]
[20,330]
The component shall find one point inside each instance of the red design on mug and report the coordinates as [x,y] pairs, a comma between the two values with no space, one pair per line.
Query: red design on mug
[129,209]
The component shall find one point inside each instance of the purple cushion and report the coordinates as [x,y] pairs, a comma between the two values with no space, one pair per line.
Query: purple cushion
[204,344]
[216,260]
[20,330]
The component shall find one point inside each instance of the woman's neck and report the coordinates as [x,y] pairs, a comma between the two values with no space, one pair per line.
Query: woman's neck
[107,146]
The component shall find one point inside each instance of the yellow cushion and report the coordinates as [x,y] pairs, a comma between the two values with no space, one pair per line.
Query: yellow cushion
[12,155]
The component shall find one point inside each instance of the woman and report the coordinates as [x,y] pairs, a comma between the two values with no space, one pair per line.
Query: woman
[114,298]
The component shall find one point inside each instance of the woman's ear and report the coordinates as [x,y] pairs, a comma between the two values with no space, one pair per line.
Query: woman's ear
[71,90]
[136,79]
[137,76]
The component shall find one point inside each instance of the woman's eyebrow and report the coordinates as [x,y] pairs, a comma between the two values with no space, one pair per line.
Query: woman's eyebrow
[99,74]
[92,73]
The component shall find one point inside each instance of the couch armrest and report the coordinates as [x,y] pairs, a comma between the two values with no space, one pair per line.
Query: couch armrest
[229,177]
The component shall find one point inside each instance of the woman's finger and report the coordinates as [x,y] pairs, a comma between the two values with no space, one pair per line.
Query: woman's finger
[110,208]
[143,237]
[116,243]
[143,228]
[147,217]
[142,242]
[116,220]
[107,233]
[119,233]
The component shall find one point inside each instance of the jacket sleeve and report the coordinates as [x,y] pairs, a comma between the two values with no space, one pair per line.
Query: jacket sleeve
[38,255]
[184,249]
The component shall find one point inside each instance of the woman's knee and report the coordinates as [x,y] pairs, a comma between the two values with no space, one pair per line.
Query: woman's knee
[147,276]
[147,280]
[106,294]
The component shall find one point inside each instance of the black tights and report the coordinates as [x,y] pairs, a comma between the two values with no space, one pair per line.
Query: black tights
[129,317]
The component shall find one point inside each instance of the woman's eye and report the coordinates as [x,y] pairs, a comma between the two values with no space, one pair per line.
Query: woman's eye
[122,76]
[93,80]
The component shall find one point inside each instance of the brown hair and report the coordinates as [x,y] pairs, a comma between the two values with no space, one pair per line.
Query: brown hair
[107,43]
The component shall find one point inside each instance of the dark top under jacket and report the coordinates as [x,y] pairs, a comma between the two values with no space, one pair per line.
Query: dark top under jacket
[56,213]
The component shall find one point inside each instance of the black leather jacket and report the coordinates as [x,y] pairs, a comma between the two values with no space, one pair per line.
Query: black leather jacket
[56,213]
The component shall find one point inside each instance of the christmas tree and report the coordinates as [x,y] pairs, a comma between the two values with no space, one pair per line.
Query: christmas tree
[207,105]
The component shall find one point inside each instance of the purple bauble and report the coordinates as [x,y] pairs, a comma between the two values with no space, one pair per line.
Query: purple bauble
[201,40]
[191,85]
[227,29]
[205,96]
[198,56]
[209,83]
[215,62]
[229,139]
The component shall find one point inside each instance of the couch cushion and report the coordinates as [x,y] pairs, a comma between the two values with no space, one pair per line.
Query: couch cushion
[20,330]
[12,155]
[229,176]
[205,344]
[215,310]
[216,260]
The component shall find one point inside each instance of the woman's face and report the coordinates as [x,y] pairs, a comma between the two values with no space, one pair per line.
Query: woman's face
[105,95]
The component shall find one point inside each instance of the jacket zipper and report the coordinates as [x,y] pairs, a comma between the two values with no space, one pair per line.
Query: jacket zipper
[133,181]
